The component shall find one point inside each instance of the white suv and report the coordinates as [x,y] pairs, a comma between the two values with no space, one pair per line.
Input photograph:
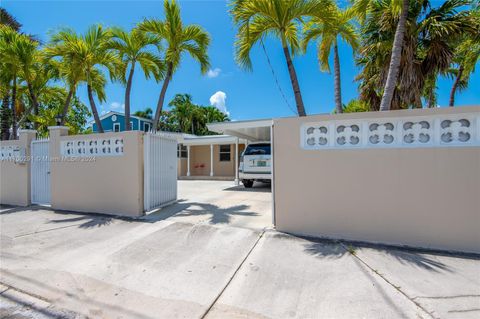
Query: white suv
[255,164]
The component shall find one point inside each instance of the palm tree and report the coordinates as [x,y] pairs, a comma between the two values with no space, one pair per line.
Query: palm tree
[362,8]
[184,112]
[64,52]
[329,31]
[428,49]
[10,67]
[281,18]
[146,114]
[178,39]
[397,47]
[84,57]
[467,54]
[9,20]
[132,47]
[19,52]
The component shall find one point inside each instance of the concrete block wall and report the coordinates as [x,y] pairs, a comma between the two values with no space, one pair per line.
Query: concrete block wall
[424,196]
[15,172]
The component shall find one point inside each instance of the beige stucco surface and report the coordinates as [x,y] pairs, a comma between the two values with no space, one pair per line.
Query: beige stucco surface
[428,197]
[181,167]
[200,161]
[15,176]
[108,185]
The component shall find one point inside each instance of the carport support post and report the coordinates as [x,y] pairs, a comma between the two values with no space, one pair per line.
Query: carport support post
[236,161]
[211,159]
[188,160]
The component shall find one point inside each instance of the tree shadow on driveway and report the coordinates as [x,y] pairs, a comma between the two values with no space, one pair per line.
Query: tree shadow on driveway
[90,220]
[214,214]
[421,258]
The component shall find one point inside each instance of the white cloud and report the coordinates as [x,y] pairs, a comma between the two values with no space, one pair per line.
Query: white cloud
[117,106]
[214,73]
[219,101]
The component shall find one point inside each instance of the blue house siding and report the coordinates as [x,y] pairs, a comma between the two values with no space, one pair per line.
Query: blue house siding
[110,121]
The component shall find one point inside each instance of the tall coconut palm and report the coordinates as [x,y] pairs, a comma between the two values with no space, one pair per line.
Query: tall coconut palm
[177,39]
[328,32]
[393,69]
[400,8]
[428,49]
[132,48]
[257,19]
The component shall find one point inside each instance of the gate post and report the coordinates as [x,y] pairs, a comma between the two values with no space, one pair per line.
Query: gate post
[54,153]
[25,138]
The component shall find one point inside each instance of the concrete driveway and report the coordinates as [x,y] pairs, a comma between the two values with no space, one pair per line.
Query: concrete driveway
[195,263]
[220,203]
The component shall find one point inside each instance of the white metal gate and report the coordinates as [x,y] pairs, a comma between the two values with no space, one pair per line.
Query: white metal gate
[40,167]
[160,170]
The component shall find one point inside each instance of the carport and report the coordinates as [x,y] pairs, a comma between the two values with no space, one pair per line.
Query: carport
[251,131]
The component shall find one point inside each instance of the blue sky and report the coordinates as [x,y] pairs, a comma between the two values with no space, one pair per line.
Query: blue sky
[247,95]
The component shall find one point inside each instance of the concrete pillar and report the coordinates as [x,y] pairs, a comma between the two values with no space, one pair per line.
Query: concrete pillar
[236,162]
[56,132]
[25,137]
[211,159]
[188,160]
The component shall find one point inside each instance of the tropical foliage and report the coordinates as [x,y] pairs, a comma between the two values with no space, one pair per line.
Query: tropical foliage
[186,116]
[427,51]
[177,39]
[328,32]
[282,19]
[401,47]
[133,48]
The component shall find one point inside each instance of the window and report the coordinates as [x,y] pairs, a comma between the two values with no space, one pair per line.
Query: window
[116,127]
[258,149]
[224,153]
[146,127]
[182,151]
[131,125]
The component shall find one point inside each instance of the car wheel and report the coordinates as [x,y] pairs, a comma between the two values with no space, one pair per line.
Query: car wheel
[248,183]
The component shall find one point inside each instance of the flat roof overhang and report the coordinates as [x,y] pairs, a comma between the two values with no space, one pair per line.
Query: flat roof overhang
[253,130]
[211,139]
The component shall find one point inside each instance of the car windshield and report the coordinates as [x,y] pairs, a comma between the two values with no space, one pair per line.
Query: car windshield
[258,149]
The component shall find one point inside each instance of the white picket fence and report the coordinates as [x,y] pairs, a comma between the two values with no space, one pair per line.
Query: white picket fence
[160,170]
[40,172]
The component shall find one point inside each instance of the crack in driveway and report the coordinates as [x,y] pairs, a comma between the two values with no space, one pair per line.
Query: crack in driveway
[233,275]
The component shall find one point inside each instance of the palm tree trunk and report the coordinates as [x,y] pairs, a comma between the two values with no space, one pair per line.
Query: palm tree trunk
[33,97]
[161,98]
[338,88]
[127,97]
[294,80]
[14,111]
[66,106]
[94,109]
[392,76]
[5,112]
[451,103]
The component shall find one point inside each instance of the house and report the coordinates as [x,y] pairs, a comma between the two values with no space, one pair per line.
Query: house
[115,122]
[199,157]
[209,157]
